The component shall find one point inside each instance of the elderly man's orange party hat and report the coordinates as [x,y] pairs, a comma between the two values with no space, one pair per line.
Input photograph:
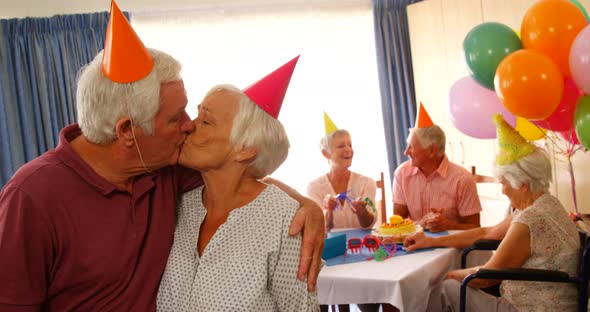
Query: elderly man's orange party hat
[423,120]
[125,58]
[269,92]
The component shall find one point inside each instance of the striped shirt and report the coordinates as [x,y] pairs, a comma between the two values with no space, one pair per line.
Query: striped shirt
[450,187]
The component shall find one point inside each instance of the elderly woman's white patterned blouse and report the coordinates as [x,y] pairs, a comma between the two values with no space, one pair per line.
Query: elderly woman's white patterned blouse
[555,244]
[250,263]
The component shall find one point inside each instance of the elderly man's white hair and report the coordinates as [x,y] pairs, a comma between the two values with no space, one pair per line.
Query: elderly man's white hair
[326,141]
[102,102]
[429,136]
[534,169]
[254,128]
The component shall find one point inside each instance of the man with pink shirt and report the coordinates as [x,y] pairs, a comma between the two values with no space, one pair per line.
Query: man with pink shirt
[430,189]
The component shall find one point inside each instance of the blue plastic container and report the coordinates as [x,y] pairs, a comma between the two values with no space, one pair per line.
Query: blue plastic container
[334,245]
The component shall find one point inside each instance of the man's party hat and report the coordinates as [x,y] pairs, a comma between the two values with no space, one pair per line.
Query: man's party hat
[125,58]
[423,120]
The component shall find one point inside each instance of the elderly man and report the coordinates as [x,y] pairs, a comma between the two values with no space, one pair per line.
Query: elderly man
[430,189]
[89,225]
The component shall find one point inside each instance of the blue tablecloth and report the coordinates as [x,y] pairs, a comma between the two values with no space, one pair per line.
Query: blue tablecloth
[365,254]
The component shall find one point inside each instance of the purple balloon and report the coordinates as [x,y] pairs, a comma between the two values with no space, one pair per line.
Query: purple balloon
[580,59]
[472,106]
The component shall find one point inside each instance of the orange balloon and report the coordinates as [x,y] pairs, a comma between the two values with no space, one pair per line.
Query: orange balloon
[550,27]
[529,84]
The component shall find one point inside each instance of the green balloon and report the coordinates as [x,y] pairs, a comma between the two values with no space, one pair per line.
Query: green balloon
[581,7]
[485,46]
[582,121]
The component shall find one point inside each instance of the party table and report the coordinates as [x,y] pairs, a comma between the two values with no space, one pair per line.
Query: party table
[404,281]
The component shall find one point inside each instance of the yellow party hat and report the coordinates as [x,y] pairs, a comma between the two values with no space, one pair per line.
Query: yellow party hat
[512,145]
[329,124]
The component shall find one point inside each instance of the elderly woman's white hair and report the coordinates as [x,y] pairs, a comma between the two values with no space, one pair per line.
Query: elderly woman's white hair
[533,169]
[326,141]
[254,128]
[429,136]
[102,102]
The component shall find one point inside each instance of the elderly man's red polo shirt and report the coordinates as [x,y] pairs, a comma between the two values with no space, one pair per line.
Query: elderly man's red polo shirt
[72,241]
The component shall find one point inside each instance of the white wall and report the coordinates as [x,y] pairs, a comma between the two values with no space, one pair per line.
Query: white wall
[336,73]
[40,8]
[370,155]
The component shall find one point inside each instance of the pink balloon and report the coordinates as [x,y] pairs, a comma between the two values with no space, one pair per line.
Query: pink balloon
[580,59]
[472,106]
[562,119]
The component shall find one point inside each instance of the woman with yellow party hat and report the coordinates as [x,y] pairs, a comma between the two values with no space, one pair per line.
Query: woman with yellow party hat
[341,192]
[336,147]
[539,235]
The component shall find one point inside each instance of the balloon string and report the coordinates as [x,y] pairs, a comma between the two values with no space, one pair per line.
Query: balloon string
[570,144]
[573,183]
[554,142]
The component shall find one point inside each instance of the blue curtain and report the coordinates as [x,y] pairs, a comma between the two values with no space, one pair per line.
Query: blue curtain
[396,79]
[39,61]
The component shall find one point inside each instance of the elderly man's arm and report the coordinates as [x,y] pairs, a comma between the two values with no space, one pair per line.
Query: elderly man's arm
[26,251]
[13,308]
[309,219]
[468,208]
[436,222]
[468,222]
[401,210]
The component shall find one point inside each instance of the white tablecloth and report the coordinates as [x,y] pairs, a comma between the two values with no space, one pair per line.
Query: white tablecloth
[404,281]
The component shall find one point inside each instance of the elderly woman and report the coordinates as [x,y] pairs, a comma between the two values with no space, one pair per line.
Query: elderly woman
[540,236]
[336,146]
[232,250]
[337,149]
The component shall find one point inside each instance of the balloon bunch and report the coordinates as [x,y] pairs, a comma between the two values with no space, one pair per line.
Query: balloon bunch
[538,79]
[538,83]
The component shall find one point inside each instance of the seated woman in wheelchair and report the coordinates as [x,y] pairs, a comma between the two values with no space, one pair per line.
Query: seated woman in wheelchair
[540,236]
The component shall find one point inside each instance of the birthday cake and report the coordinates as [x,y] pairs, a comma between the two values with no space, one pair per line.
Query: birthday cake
[397,229]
